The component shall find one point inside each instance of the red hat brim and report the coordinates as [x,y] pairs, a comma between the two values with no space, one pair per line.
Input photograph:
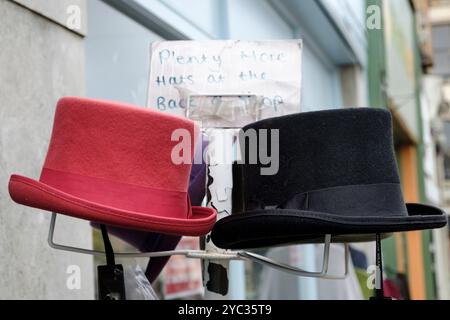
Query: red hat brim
[33,193]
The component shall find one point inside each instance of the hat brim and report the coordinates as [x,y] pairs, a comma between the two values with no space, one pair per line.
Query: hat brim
[276,227]
[36,194]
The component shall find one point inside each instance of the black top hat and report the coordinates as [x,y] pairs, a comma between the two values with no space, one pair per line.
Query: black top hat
[337,175]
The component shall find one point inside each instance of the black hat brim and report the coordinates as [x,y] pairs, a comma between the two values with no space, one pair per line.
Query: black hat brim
[276,227]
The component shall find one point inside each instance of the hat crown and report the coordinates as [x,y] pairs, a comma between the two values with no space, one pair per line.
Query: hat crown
[321,150]
[118,143]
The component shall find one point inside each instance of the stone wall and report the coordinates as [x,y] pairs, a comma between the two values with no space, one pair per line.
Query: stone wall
[40,61]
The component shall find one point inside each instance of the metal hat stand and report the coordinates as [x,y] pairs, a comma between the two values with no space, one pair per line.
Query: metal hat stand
[211,253]
[204,255]
[194,254]
[233,255]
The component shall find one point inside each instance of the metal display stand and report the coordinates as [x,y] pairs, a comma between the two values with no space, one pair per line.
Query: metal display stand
[219,186]
[205,255]
[379,285]
[219,122]
[215,260]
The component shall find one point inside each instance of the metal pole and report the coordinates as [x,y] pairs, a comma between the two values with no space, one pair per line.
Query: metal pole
[379,285]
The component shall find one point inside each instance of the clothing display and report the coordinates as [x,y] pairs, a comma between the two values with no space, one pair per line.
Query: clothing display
[337,175]
[392,290]
[231,151]
[359,258]
[112,164]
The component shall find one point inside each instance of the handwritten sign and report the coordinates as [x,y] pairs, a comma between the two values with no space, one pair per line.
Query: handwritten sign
[182,70]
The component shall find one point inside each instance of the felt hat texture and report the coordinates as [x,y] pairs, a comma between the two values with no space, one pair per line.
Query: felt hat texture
[337,175]
[146,241]
[111,163]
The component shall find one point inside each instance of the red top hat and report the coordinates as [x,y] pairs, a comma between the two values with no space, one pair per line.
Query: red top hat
[112,164]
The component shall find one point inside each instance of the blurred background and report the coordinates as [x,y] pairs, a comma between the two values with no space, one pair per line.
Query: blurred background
[392,54]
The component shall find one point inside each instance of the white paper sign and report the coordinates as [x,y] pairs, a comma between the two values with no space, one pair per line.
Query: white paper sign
[270,70]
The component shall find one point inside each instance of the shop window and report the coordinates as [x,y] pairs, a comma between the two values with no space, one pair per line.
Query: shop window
[441,48]
[117,55]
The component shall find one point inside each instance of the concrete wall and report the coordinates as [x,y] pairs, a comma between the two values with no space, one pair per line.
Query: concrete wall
[40,62]
[59,11]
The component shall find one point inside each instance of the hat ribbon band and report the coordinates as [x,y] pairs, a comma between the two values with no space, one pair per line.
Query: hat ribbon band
[118,195]
[383,199]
